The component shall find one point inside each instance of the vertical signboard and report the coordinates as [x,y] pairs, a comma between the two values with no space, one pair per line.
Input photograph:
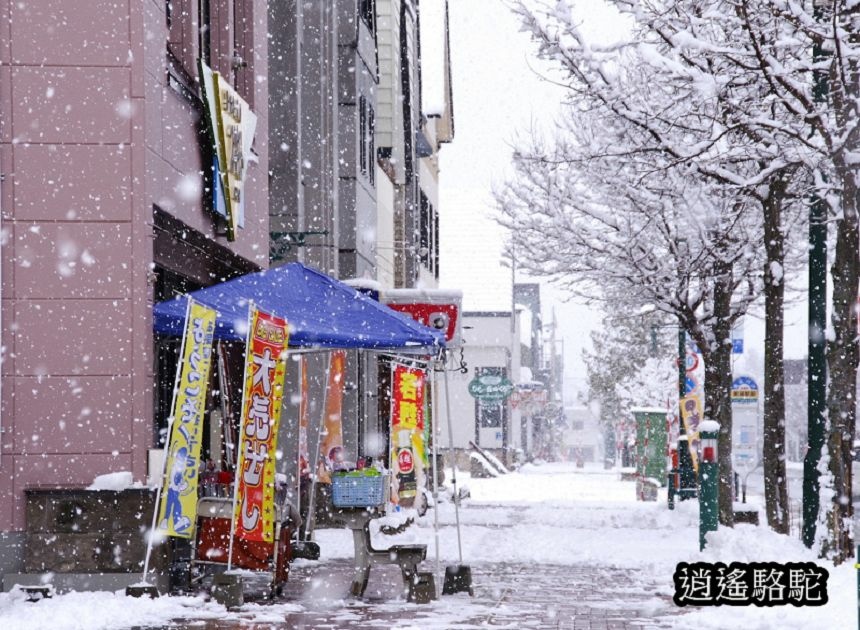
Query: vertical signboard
[178,503]
[332,444]
[232,126]
[261,409]
[691,415]
[745,422]
[407,430]
[693,403]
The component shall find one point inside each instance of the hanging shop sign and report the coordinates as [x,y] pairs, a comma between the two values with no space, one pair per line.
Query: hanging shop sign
[490,388]
[178,503]
[744,391]
[261,409]
[407,430]
[232,126]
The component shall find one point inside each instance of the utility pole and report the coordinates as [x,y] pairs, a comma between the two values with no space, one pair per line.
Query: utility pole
[508,407]
[816,367]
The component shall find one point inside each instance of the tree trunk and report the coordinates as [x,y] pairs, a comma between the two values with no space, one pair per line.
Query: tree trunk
[718,383]
[842,360]
[775,485]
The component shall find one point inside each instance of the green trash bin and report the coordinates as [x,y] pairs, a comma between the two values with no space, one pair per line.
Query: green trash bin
[651,439]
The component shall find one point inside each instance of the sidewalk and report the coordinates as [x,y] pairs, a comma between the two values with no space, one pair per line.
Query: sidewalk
[550,546]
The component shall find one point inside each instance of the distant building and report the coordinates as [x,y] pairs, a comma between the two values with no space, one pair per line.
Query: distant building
[582,439]
[796,411]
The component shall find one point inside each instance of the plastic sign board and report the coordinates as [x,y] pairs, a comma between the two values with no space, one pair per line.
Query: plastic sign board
[177,512]
[407,432]
[691,415]
[744,391]
[258,431]
[436,308]
[232,126]
[490,387]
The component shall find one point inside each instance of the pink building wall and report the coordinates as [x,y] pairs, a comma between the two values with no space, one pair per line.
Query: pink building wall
[91,139]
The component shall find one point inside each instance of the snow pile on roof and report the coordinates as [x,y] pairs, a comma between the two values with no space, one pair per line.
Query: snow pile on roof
[432,21]
[113,481]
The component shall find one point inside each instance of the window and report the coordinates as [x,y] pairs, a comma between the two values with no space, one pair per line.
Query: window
[362,134]
[366,142]
[182,39]
[371,150]
[428,233]
[219,32]
[367,12]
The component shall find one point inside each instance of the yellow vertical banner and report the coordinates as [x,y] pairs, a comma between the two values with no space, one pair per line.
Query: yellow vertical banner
[258,436]
[178,504]
[332,445]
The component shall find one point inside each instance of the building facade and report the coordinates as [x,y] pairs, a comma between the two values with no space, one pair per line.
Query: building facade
[112,200]
[106,190]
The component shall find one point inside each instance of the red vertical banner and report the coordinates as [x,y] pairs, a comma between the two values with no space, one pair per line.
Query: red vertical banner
[407,430]
[332,444]
[261,410]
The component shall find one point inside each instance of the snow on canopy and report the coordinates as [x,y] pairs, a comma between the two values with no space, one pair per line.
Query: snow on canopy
[320,311]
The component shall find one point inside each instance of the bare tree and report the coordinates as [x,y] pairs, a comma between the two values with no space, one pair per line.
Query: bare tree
[706,104]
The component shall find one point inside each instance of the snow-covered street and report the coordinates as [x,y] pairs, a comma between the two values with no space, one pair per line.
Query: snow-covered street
[550,546]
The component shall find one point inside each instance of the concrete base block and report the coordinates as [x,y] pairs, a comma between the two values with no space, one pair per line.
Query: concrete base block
[228,590]
[141,590]
[423,590]
[70,582]
[458,579]
[746,516]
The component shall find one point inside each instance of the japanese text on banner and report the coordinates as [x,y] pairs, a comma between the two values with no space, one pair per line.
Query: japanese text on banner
[407,431]
[178,507]
[261,409]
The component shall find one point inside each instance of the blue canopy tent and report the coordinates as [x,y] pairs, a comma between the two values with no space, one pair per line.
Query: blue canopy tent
[321,312]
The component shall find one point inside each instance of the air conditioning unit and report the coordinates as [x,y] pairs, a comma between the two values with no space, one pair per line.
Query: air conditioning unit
[436,308]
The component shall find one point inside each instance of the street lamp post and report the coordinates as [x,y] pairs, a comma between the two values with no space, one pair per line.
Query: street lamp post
[816,368]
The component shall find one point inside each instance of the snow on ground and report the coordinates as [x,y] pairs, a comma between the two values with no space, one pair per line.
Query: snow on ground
[552,514]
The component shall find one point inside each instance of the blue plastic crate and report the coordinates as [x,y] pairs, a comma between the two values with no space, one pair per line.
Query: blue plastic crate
[358,492]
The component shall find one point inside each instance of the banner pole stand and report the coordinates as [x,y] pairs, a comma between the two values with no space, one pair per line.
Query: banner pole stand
[435,454]
[237,469]
[303,402]
[144,588]
[302,548]
[458,578]
[309,529]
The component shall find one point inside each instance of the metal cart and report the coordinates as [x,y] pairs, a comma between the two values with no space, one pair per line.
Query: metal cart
[212,543]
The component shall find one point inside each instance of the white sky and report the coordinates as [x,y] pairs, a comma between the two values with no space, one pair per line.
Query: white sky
[499,91]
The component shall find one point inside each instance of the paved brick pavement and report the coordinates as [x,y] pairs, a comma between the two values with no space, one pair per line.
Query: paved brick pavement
[512,596]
